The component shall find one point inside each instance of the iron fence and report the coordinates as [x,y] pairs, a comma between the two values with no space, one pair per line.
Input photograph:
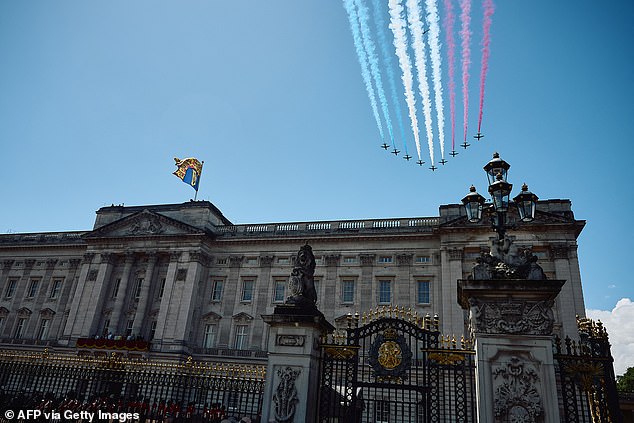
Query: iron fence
[155,389]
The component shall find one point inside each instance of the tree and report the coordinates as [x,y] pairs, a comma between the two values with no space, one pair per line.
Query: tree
[625,382]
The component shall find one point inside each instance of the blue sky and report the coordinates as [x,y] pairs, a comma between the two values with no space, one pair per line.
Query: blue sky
[98,97]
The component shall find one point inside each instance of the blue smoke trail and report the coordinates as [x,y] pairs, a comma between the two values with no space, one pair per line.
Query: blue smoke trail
[363,61]
[373,59]
[380,23]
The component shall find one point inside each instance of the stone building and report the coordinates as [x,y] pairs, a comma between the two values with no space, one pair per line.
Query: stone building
[190,282]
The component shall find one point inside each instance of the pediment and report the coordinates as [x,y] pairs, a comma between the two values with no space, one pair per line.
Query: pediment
[143,224]
[242,317]
[47,312]
[4,311]
[24,312]
[211,316]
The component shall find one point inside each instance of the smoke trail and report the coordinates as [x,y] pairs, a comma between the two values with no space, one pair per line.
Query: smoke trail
[387,56]
[486,40]
[418,45]
[397,25]
[448,23]
[465,34]
[363,61]
[436,59]
[373,59]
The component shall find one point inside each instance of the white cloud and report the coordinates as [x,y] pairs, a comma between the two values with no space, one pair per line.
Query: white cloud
[620,326]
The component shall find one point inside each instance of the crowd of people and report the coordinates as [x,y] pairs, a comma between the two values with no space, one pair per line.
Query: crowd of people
[148,411]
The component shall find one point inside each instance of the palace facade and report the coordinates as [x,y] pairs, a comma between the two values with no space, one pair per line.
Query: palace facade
[181,279]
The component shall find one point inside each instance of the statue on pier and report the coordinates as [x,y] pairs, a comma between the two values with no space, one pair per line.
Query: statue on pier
[506,261]
[301,286]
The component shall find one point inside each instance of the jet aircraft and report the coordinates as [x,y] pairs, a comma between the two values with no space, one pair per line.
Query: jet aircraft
[478,136]
[407,157]
[385,146]
[395,151]
[453,153]
[420,162]
[465,145]
[443,161]
[433,168]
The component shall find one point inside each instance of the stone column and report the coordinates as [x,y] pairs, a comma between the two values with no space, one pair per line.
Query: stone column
[292,375]
[262,299]
[512,323]
[229,300]
[122,293]
[166,300]
[452,318]
[139,317]
[74,322]
[331,295]
[366,296]
[403,281]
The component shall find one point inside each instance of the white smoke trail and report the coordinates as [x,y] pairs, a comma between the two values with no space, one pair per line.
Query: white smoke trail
[373,59]
[363,60]
[397,25]
[418,45]
[434,47]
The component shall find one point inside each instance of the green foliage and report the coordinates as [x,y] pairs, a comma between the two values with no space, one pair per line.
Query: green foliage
[625,382]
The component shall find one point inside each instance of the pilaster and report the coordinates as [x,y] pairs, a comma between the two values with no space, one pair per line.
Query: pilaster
[144,296]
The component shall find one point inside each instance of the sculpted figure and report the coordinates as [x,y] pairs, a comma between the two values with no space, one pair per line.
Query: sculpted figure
[301,287]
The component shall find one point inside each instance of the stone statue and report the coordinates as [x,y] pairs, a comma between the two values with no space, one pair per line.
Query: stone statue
[301,287]
[506,261]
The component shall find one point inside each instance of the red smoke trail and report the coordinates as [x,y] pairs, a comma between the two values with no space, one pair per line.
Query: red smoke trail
[486,40]
[451,52]
[465,34]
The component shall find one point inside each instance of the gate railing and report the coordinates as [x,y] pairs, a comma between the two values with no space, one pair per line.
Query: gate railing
[391,365]
[154,389]
[585,375]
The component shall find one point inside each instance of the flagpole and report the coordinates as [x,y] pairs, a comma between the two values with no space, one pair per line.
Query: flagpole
[199,176]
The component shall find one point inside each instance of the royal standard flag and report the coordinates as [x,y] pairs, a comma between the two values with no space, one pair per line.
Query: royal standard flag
[189,171]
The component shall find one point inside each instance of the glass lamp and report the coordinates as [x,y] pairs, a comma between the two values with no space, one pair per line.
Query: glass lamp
[500,191]
[526,203]
[496,166]
[473,203]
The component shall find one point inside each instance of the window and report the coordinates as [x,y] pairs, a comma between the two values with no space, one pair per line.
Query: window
[247,290]
[56,287]
[242,335]
[251,260]
[216,290]
[210,336]
[152,330]
[115,288]
[349,260]
[19,328]
[385,259]
[129,326]
[280,291]
[382,412]
[385,292]
[137,288]
[162,288]
[8,293]
[423,292]
[423,259]
[283,260]
[347,291]
[35,283]
[42,333]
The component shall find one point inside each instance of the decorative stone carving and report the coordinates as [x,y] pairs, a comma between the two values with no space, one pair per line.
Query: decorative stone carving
[285,397]
[74,263]
[332,259]
[266,260]
[516,397]
[50,263]
[235,261]
[559,251]
[92,275]
[290,340]
[512,317]
[181,274]
[455,254]
[506,261]
[367,259]
[301,286]
[145,225]
[404,259]
[28,263]
[7,264]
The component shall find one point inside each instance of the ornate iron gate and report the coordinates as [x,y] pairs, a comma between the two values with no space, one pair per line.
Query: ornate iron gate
[396,367]
[585,375]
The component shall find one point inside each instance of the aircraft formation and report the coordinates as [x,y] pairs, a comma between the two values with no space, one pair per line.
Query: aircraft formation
[404,40]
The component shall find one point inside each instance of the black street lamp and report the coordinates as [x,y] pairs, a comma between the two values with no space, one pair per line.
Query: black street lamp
[500,190]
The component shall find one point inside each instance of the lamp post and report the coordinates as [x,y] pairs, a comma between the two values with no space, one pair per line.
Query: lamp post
[500,191]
